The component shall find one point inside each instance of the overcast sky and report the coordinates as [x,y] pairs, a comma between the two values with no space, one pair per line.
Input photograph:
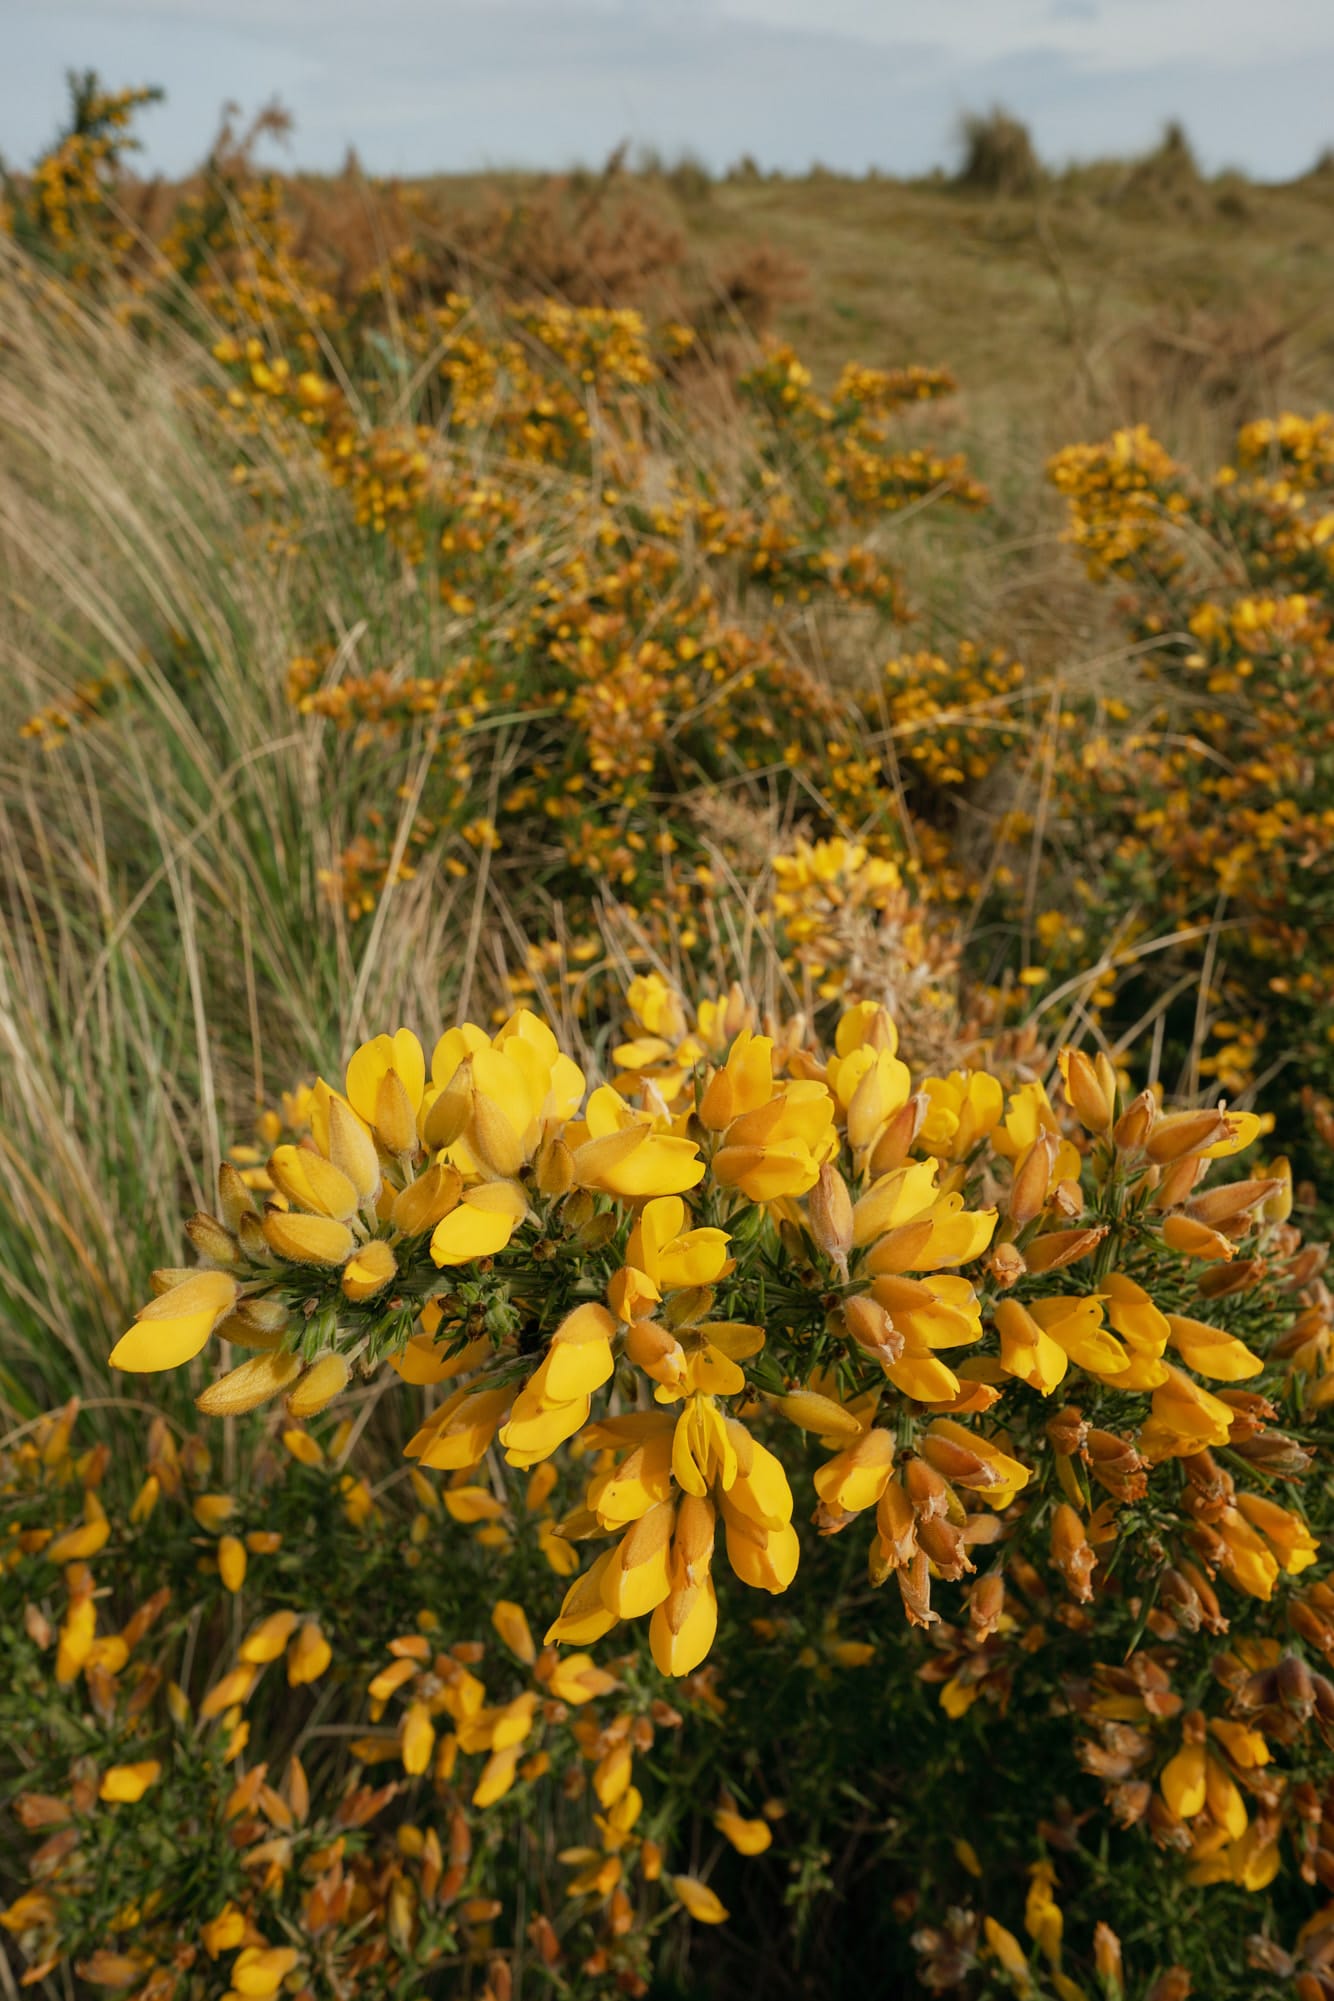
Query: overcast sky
[417,85]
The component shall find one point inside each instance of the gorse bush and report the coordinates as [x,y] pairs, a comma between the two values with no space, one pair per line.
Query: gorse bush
[649,1314]
[740,1444]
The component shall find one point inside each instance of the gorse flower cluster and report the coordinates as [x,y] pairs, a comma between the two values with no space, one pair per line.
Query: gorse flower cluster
[1210,795]
[746,1298]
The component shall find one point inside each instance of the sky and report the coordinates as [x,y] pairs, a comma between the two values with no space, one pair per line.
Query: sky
[448,85]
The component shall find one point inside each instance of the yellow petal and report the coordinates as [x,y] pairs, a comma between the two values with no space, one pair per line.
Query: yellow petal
[703,1904]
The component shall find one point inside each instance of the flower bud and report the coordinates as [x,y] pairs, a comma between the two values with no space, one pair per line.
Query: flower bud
[1032,1178]
[234,1198]
[942,1542]
[1116,1465]
[1090,1088]
[895,1142]
[1218,1281]
[308,1240]
[210,1239]
[927,1490]
[1107,1960]
[871,1328]
[351,1147]
[1273,1453]
[1277,1207]
[319,1386]
[555,1167]
[1176,1181]
[829,1212]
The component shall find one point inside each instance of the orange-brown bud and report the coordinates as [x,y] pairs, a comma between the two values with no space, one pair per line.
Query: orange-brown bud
[928,1492]
[555,1167]
[1006,1265]
[234,1198]
[1063,1247]
[1107,1960]
[1071,1554]
[1067,1430]
[871,1328]
[1220,1207]
[986,1604]
[1218,1281]
[1134,1125]
[943,1543]
[1116,1466]
[1195,1240]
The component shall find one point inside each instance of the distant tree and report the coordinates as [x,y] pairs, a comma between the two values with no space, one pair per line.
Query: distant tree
[999,157]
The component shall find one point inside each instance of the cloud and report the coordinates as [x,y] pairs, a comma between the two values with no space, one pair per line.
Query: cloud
[423,85]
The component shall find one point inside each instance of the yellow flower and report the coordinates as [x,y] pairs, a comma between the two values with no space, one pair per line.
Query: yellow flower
[682,1627]
[173,1328]
[1211,1352]
[1286,1532]
[386,1079]
[703,1904]
[482,1223]
[512,1626]
[624,1153]
[748,1837]
[124,1784]
[778,1148]
[662,1255]
[311,1182]
[965,1107]
[368,1270]
[258,1971]
[308,1656]
[554,1402]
